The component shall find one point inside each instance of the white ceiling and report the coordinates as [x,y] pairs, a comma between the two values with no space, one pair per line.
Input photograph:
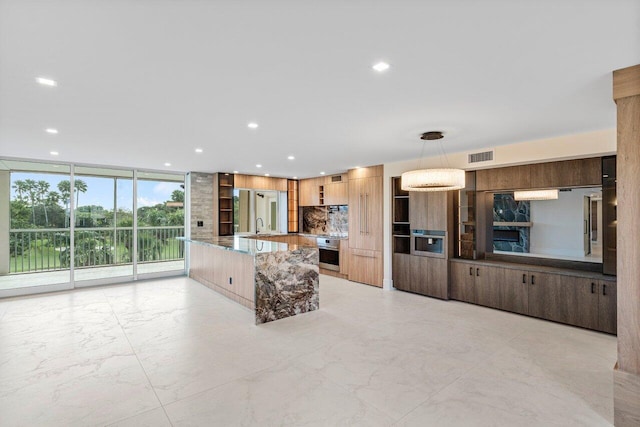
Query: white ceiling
[141,83]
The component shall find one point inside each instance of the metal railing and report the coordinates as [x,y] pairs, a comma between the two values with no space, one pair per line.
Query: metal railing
[49,249]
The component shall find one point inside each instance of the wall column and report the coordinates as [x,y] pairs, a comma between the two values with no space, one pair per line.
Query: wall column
[5,220]
[626,94]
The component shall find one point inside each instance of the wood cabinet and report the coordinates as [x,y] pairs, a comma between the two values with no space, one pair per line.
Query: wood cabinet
[568,173]
[565,299]
[462,280]
[607,307]
[430,210]
[421,275]
[365,266]
[309,192]
[508,178]
[336,193]
[365,213]
[365,225]
[260,182]
[324,191]
[574,300]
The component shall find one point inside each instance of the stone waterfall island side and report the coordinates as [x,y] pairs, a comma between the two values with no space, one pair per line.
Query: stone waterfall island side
[274,279]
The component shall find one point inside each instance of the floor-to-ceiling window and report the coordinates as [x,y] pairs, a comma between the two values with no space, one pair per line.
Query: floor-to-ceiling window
[65,225]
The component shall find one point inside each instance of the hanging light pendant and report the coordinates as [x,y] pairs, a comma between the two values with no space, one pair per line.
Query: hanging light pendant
[433,180]
[536,195]
[443,179]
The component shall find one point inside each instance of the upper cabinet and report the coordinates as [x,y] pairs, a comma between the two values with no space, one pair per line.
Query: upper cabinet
[509,178]
[260,182]
[568,173]
[324,191]
[430,210]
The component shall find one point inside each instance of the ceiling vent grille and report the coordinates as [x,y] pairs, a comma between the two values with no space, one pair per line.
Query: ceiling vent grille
[485,156]
[336,178]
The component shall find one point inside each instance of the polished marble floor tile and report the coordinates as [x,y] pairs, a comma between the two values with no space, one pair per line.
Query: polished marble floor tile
[173,352]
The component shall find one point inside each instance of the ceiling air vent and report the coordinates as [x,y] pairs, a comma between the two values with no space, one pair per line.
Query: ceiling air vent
[336,178]
[481,157]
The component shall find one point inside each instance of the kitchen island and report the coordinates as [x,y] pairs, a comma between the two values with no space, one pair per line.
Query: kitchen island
[274,279]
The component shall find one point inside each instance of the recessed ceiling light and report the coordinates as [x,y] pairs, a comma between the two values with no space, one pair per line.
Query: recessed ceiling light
[321,173]
[252,125]
[266,174]
[53,153]
[167,164]
[380,67]
[291,158]
[46,82]
[295,177]
[258,165]
[235,171]
[51,131]
[198,150]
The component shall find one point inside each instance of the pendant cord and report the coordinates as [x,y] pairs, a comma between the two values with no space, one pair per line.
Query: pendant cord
[446,159]
[421,155]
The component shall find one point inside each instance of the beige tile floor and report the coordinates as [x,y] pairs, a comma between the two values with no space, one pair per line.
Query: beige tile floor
[172,352]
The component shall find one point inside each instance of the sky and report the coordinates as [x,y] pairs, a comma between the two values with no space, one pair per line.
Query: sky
[100,190]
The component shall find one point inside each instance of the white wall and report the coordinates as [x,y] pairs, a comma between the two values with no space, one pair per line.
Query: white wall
[591,144]
[558,225]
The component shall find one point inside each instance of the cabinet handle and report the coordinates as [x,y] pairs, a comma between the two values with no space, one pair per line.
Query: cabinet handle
[360,210]
[366,214]
[593,288]
[604,290]
[477,272]
[533,279]
[524,278]
[470,271]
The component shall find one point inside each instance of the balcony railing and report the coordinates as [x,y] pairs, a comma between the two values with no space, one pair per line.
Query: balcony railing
[49,249]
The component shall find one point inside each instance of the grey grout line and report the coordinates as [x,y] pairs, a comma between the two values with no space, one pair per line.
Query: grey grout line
[138,359]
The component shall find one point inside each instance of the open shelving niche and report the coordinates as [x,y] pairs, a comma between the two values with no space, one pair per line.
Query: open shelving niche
[401,227]
[225,204]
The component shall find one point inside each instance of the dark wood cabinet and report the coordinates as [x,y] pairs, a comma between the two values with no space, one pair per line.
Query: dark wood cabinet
[566,299]
[430,210]
[508,178]
[607,307]
[574,300]
[402,271]
[462,279]
[421,275]
[514,292]
[488,283]
[568,173]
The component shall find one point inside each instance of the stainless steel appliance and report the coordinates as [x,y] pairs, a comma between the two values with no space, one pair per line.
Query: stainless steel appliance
[329,250]
[428,243]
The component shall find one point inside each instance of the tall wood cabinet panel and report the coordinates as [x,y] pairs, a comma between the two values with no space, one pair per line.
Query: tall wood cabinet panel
[365,225]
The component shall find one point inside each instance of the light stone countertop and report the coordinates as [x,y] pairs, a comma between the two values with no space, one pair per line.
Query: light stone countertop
[250,246]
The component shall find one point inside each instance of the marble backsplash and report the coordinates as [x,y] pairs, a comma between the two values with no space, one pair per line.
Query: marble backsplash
[330,220]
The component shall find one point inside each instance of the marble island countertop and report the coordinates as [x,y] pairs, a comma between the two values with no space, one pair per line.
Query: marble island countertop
[244,244]
[342,236]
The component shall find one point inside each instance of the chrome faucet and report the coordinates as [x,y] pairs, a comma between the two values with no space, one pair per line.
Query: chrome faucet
[261,222]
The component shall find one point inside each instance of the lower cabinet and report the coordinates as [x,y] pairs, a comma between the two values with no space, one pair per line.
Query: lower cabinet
[421,275]
[365,266]
[575,300]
